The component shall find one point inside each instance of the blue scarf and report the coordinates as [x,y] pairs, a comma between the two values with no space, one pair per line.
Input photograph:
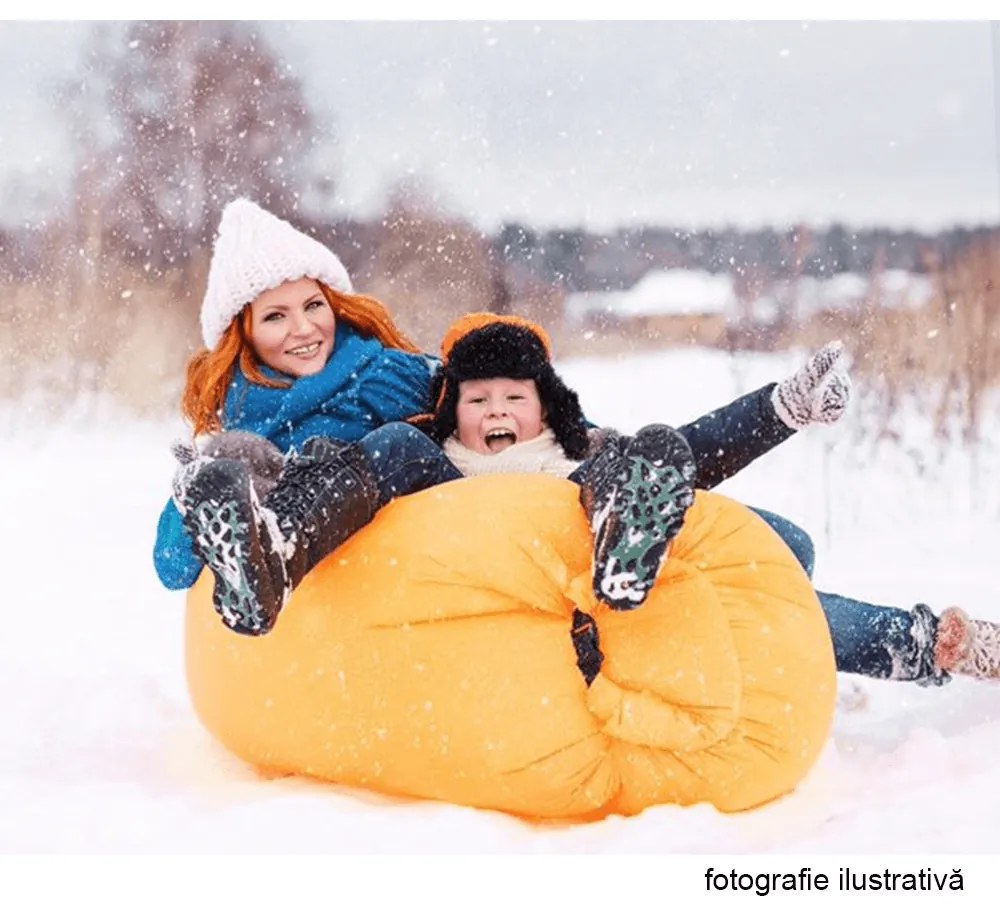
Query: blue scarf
[363,386]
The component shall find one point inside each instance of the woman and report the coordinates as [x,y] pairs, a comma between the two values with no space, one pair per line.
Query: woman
[501,409]
[267,366]
[293,354]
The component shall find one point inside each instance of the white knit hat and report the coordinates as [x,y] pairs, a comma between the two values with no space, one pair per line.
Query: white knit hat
[254,252]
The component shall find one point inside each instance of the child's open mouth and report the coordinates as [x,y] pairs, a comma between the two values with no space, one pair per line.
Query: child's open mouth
[498,440]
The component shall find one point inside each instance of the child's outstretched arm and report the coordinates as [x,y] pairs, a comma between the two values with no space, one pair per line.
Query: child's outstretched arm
[726,440]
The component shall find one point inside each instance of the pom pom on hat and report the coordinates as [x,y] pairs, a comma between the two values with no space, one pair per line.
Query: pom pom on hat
[254,252]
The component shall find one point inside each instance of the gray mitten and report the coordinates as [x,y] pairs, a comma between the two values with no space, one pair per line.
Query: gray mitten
[185,452]
[189,462]
[262,458]
[817,393]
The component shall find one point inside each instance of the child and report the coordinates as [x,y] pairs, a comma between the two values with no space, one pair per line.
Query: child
[501,408]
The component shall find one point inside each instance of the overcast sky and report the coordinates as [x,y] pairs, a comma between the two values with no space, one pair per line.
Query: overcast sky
[606,124]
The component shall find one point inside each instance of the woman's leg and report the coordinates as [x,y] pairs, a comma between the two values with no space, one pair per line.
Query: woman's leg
[404,460]
[260,548]
[869,639]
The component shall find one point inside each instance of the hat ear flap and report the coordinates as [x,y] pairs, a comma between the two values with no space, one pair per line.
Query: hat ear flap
[434,389]
[564,415]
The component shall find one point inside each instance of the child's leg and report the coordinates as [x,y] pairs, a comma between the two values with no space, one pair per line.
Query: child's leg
[883,642]
[868,639]
[795,538]
[635,492]
[891,643]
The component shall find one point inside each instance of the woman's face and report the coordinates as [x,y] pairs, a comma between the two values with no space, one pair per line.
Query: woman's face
[292,328]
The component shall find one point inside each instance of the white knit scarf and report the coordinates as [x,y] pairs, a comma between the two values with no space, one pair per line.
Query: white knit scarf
[541,455]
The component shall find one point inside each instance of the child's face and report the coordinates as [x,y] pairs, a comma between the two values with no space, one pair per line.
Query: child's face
[292,328]
[494,414]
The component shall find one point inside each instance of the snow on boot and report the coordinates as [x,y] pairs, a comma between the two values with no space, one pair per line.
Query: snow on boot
[967,647]
[190,465]
[636,494]
[239,542]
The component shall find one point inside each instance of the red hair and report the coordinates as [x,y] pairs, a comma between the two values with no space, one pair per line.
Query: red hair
[210,372]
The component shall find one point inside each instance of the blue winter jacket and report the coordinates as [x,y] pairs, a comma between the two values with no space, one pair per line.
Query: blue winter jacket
[363,386]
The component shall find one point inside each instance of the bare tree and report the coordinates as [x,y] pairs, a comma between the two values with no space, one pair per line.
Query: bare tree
[429,266]
[194,114]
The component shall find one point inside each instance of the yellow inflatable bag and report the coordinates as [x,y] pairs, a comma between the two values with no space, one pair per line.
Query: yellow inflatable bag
[431,656]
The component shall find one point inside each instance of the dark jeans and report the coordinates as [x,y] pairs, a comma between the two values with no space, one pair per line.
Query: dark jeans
[869,639]
[404,460]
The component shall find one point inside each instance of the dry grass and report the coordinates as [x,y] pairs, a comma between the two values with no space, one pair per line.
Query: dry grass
[944,356]
[116,332]
[123,336]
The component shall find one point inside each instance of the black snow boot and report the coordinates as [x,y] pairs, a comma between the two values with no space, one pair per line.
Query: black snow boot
[636,493]
[319,502]
[259,551]
[232,536]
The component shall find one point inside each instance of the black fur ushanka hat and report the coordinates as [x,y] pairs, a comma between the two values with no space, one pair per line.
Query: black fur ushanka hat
[488,346]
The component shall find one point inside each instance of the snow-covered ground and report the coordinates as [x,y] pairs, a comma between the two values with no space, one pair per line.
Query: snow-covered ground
[100,751]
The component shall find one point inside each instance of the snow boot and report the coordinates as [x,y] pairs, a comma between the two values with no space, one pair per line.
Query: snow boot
[635,493]
[232,536]
[967,647]
[259,551]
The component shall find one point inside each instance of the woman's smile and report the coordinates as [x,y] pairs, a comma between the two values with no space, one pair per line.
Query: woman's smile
[293,328]
[305,350]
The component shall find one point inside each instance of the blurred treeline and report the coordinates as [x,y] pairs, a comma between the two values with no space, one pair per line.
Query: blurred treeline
[174,119]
